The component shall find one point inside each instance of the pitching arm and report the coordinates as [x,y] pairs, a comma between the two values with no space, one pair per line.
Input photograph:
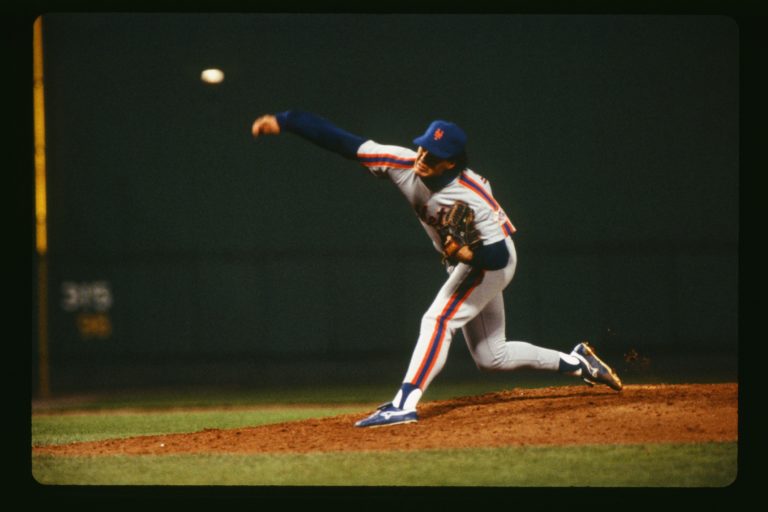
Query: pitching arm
[311,127]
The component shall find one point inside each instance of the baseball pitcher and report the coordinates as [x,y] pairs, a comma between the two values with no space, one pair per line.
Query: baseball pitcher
[472,233]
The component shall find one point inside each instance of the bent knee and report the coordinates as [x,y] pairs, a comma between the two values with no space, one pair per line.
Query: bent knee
[489,364]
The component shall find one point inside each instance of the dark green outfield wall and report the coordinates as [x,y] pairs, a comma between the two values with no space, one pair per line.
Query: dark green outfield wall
[178,240]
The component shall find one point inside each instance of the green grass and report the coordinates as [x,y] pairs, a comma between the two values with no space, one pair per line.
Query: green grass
[654,465]
[67,428]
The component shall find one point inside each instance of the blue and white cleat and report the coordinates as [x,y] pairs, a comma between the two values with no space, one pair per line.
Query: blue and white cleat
[593,369]
[386,415]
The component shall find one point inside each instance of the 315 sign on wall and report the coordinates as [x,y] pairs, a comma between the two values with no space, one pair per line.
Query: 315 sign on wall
[90,302]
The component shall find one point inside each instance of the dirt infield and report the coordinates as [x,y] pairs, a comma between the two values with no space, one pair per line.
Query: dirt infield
[545,416]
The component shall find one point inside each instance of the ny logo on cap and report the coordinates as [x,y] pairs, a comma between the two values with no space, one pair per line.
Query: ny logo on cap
[438,134]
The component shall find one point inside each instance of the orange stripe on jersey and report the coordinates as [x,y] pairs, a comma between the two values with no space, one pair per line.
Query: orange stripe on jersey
[385,163]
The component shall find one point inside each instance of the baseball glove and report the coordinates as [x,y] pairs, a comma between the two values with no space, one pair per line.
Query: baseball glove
[457,230]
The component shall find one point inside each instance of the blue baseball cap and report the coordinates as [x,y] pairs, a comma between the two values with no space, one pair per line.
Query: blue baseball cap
[443,139]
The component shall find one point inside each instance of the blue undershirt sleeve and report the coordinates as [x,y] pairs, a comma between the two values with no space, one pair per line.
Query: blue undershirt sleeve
[491,257]
[320,132]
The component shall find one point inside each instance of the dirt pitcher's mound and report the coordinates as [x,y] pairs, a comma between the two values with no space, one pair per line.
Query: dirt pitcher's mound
[545,416]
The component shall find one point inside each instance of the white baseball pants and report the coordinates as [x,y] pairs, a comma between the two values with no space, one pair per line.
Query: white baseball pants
[471,299]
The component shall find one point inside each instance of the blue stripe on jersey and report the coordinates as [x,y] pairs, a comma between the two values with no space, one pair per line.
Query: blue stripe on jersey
[385,159]
[466,181]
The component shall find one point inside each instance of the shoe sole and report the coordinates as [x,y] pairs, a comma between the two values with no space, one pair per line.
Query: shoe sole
[380,425]
[591,353]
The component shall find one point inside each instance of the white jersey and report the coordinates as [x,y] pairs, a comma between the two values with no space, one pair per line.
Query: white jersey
[396,163]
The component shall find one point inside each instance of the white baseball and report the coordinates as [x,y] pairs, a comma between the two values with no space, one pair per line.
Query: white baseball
[212,76]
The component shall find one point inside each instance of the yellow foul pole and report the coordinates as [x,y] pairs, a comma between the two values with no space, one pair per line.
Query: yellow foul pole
[41,210]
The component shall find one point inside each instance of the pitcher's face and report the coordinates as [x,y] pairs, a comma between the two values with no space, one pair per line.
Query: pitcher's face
[428,165]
